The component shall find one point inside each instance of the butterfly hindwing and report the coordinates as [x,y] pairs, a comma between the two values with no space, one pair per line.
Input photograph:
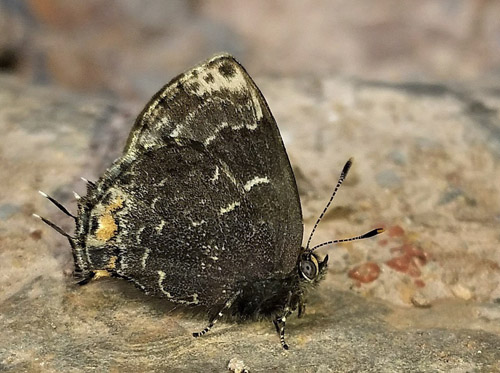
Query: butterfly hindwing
[186,231]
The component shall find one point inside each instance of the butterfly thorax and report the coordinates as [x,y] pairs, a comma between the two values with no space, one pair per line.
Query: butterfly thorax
[268,297]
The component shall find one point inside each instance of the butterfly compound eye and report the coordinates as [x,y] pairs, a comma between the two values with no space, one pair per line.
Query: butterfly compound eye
[308,267]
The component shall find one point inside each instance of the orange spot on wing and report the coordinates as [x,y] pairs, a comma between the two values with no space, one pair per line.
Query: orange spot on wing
[107,227]
[107,224]
[112,262]
[115,205]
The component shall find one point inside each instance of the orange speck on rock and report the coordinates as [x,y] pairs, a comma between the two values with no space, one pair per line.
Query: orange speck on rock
[419,283]
[413,269]
[365,273]
[410,250]
[404,264]
[36,234]
[409,260]
[395,231]
[399,263]
[383,242]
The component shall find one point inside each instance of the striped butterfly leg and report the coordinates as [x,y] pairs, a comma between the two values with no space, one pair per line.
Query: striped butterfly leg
[213,320]
[279,321]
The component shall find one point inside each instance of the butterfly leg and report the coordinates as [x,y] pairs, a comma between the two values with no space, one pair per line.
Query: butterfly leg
[213,320]
[279,321]
[302,308]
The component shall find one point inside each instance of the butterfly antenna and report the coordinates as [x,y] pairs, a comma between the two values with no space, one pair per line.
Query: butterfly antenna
[342,177]
[372,233]
[55,227]
[58,205]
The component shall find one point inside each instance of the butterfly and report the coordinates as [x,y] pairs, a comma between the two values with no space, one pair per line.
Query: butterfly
[202,208]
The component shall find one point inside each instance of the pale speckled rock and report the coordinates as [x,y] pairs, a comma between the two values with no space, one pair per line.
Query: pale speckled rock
[436,252]
[450,140]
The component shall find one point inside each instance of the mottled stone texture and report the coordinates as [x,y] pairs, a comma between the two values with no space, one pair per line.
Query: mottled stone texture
[425,296]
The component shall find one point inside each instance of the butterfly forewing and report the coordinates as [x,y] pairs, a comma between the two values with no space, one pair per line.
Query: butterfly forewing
[203,197]
[219,106]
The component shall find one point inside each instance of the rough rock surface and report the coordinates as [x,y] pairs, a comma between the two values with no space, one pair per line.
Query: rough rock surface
[423,297]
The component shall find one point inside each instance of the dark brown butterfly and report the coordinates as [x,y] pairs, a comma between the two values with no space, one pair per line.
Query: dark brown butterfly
[202,208]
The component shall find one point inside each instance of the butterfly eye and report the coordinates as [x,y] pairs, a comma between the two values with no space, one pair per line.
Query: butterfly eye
[309,268]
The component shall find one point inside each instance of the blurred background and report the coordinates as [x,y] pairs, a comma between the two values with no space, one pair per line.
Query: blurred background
[130,48]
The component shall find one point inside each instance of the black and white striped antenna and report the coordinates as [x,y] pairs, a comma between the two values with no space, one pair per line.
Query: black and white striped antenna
[372,233]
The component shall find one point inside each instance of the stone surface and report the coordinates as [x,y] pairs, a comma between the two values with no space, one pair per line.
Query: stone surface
[426,167]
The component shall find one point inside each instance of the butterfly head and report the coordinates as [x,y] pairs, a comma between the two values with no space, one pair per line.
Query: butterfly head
[311,269]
